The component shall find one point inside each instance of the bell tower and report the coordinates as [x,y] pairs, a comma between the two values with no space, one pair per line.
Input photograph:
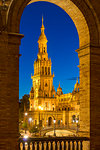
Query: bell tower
[42,78]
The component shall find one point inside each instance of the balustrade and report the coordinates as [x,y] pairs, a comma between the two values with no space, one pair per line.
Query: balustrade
[52,143]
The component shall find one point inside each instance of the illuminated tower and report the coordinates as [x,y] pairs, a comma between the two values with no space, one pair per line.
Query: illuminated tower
[42,92]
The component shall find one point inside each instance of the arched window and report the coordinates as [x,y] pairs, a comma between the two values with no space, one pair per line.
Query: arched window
[42,70]
[48,70]
[46,84]
[44,49]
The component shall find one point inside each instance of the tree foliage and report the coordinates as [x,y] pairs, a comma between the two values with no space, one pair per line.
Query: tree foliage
[24,103]
[34,129]
[23,106]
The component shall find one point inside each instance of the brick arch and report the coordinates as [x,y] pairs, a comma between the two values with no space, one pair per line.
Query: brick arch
[81,14]
[86,22]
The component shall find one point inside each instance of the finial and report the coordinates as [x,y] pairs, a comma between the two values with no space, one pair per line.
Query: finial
[42,19]
[77,79]
[59,83]
[42,27]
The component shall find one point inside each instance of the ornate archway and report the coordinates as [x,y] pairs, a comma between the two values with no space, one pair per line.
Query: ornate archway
[85,18]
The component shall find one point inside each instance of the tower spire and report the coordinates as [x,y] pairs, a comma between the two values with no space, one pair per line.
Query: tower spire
[59,83]
[77,80]
[42,27]
[42,20]
[42,37]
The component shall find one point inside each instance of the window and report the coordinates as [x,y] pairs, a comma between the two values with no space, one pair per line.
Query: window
[46,84]
[48,70]
[42,70]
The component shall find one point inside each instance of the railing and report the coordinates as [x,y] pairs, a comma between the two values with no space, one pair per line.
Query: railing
[52,143]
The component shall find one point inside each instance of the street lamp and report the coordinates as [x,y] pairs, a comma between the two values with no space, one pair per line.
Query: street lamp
[61,122]
[73,121]
[54,126]
[26,113]
[30,119]
[25,136]
[77,126]
[46,122]
[40,108]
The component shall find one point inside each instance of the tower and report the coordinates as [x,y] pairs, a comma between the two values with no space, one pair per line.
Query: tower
[59,90]
[42,92]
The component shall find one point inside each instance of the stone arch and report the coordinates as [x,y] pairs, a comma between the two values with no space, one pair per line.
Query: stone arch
[87,24]
[77,11]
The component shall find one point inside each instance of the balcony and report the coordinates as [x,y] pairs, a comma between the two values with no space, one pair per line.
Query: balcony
[54,143]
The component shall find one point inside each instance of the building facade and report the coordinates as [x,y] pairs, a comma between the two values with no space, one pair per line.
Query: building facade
[45,103]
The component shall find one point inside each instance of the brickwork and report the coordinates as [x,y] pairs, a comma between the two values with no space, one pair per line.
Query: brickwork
[9,90]
[86,16]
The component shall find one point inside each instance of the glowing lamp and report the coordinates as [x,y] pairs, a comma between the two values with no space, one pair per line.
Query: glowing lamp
[26,114]
[25,136]
[54,121]
[76,121]
[30,119]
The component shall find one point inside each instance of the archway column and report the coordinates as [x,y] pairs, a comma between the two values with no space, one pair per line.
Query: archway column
[84,61]
[89,57]
[9,90]
[95,97]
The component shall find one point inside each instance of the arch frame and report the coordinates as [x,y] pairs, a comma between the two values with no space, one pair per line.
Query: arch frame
[87,23]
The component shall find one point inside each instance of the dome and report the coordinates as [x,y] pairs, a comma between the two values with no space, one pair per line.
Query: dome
[59,88]
[42,38]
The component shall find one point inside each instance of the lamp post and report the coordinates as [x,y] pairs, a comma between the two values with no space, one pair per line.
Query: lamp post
[25,121]
[77,126]
[61,122]
[46,122]
[30,120]
[40,108]
[54,126]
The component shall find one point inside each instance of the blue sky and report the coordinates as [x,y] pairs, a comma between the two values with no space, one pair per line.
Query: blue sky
[62,38]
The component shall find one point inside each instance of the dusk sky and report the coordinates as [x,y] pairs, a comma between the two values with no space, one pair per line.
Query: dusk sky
[62,42]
